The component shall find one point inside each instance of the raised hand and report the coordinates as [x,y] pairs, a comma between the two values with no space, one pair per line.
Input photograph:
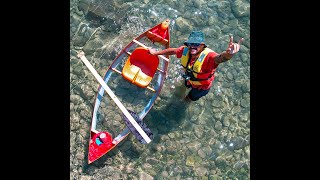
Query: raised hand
[233,47]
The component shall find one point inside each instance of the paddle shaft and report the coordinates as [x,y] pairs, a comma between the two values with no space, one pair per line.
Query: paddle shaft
[114,97]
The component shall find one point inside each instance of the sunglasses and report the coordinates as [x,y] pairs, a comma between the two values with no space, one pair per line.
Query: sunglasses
[194,44]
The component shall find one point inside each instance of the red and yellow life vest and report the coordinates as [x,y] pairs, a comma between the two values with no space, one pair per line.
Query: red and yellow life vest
[197,77]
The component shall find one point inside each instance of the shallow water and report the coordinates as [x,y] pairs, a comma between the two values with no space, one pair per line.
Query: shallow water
[206,139]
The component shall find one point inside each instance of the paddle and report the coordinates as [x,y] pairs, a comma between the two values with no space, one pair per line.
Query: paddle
[141,123]
[114,98]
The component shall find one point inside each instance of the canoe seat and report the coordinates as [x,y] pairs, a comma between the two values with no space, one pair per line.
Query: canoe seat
[140,67]
[155,37]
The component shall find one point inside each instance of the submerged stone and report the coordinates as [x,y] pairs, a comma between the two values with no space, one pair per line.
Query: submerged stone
[190,161]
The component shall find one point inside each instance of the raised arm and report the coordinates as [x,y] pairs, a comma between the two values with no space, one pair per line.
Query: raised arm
[231,50]
[169,51]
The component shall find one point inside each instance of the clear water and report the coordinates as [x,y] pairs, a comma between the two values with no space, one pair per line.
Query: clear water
[206,139]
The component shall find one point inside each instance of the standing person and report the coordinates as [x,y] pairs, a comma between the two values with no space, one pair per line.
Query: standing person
[199,62]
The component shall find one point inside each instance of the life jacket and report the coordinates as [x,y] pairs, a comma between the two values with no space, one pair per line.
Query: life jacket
[194,71]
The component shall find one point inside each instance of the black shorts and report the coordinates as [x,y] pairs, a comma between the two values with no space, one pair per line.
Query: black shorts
[195,94]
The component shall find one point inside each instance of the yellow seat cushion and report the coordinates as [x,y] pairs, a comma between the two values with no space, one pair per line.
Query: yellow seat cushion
[142,79]
[130,71]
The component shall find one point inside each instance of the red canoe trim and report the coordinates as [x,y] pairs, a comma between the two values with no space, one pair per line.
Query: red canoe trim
[95,150]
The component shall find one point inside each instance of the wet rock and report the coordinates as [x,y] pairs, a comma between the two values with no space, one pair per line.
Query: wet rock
[236,109]
[75,99]
[85,177]
[215,177]
[178,169]
[145,176]
[147,166]
[247,138]
[211,4]
[213,33]
[197,4]
[244,117]
[246,95]
[157,147]
[171,150]
[190,161]
[201,171]
[233,23]
[164,174]
[245,103]
[226,121]
[239,143]
[116,175]
[74,118]
[247,151]
[183,24]
[238,165]
[198,131]
[80,155]
[80,39]
[152,161]
[171,135]
[211,20]
[194,147]
[245,58]
[201,153]
[170,163]
[218,126]
[220,162]
[228,92]
[217,115]
[246,86]
[73,52]
[130,170]
[229,76]
[226,30]
[240,8]
[170,3]
[106,171]
[93,46]
[217,103]
[212,141]
[72,138]
[231,127]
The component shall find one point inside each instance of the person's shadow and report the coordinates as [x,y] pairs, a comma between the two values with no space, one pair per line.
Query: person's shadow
[169,116]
